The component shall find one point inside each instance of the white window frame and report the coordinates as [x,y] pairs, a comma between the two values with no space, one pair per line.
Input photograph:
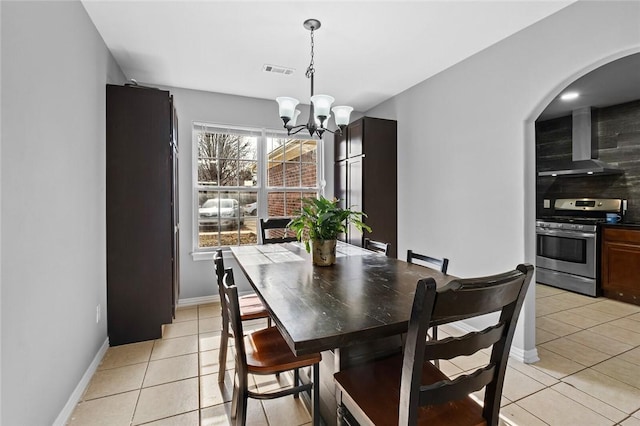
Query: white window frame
[261,188]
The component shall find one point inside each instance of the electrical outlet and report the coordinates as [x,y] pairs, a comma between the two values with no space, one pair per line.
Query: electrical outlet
[97,314]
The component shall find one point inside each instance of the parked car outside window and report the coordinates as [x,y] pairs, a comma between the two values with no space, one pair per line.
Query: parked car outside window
[251,209]
[221,212]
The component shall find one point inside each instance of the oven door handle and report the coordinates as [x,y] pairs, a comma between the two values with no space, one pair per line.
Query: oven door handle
[568,234]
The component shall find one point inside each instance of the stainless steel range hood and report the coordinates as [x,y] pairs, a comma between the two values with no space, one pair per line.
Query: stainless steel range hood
[584,152]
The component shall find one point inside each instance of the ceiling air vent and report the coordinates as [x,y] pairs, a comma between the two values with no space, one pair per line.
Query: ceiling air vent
[277,69]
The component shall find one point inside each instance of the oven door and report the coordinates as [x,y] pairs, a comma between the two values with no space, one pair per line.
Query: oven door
[571,252]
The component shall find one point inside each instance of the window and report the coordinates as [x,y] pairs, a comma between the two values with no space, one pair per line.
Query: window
[244,174]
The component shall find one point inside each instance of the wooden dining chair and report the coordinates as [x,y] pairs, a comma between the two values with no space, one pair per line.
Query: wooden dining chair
[377,246]
[265,352]
[407,389]
[250,308]
[274,230]
[442,264]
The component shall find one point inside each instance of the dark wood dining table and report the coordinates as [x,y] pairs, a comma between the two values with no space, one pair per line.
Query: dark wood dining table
[365,297]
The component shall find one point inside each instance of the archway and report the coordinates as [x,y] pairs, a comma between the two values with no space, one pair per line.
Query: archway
[527,333]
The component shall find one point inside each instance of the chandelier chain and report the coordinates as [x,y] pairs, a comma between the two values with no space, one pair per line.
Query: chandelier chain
[310,69]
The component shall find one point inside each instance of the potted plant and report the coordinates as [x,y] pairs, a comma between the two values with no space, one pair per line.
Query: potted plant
[318,224]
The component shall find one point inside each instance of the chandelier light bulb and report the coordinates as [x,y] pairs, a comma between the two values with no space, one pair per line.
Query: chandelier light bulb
[322,105]
[287,107]
[342,114]
[294,119]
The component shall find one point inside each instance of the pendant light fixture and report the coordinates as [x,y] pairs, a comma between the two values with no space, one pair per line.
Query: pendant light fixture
[320,107]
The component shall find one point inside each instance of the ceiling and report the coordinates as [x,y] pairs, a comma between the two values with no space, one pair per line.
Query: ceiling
[365,51]
[614,83]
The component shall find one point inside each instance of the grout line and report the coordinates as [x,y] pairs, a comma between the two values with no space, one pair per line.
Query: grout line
[562,380]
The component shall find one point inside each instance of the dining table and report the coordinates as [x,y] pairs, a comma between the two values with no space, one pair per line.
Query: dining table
[353,310]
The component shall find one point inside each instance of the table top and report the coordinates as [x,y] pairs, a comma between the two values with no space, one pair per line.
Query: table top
[365,295]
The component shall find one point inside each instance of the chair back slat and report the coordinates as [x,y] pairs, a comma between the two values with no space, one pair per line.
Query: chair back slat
[441,263]
[472,297]
[274,230]
[377,246]
[463,298]
[460,387]
[466,345]
[232,307]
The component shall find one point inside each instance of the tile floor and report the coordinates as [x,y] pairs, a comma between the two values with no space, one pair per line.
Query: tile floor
[588,373]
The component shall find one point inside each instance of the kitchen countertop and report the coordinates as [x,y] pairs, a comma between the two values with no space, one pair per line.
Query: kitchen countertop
[630,225]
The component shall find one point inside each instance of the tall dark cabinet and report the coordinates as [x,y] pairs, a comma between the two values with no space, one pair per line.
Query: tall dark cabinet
[366,177]
[142,213]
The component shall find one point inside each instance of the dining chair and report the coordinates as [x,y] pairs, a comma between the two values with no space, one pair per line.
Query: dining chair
[274,230]
[265,352]
[250,308]
[377,246]
[407,389]
[440,263]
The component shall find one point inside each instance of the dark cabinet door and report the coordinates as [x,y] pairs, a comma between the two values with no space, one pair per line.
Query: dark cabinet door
[140,229]
[340,186]
[354,138]
[367,178]
[354,183]
[340,144]
[621,264]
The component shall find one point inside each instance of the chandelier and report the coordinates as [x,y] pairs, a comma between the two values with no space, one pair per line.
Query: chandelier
[320,105]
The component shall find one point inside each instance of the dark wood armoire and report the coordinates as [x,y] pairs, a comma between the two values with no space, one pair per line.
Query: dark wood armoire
[142,213]
[366,178]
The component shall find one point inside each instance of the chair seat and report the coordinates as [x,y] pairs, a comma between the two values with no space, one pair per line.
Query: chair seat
[268,353]
[251,307]
[375,388]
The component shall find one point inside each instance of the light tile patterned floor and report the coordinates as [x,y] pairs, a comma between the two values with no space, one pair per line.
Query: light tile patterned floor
[588,373]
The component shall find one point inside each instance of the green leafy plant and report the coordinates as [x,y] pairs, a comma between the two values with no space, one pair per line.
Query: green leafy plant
[323,219]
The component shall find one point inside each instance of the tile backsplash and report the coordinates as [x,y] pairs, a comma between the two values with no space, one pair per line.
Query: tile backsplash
[618,138]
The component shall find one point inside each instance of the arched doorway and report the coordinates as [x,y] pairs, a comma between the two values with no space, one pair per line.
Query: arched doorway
[551,100]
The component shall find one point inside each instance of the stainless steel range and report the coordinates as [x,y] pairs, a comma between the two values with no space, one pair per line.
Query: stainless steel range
[567,243]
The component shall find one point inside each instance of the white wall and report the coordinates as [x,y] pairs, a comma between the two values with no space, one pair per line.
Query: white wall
[466,183]
[54,70]
[196,277]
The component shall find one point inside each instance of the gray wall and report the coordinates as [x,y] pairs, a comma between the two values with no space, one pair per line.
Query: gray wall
[54,70]
[466,149]
[198,106]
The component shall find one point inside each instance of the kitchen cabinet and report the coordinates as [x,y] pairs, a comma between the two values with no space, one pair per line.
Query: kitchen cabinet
[620,263]
[142,213]
[366,178]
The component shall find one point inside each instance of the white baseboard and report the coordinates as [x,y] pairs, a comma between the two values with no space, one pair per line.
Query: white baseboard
[68,408]
[528,357]
[198,300]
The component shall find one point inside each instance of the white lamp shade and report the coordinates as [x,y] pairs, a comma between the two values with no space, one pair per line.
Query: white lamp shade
[322,105]
[341,114]
[293,120]
[286,106]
